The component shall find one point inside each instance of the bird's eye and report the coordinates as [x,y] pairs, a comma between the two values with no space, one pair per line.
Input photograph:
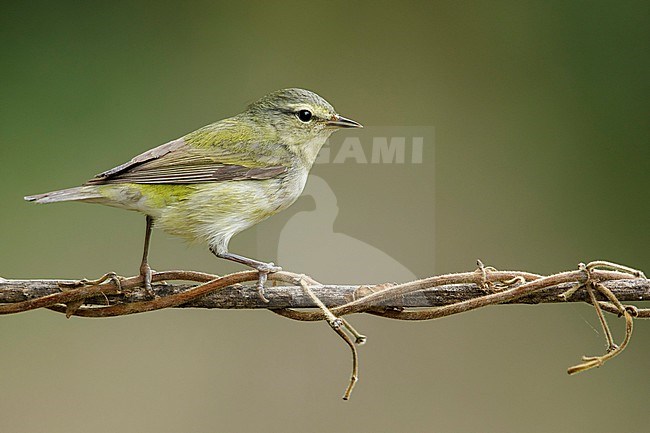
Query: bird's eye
[304,115]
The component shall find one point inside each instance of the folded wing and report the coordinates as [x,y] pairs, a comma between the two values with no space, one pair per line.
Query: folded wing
[178,163]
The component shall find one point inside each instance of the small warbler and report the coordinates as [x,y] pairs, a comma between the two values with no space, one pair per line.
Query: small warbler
[220,179]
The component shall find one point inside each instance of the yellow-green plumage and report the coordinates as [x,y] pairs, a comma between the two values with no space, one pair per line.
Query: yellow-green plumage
[211,212]
[224,177]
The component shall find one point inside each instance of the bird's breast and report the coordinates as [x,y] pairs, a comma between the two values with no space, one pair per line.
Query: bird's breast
[217,211]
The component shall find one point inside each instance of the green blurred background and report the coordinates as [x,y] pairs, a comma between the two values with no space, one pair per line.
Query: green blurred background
[540,112]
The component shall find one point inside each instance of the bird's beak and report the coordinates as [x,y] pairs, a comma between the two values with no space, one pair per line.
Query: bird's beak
[342,122]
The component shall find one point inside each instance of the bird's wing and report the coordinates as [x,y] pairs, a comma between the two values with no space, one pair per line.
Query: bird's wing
[178,163]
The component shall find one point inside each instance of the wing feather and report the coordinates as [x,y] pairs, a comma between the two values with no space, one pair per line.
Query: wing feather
[177,163]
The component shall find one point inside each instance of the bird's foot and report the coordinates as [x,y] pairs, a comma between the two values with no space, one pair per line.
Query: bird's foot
[147,273]
[264,270]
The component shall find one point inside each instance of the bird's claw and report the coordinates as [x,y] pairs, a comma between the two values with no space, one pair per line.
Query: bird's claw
[263,272]
[269,268]
[147,275]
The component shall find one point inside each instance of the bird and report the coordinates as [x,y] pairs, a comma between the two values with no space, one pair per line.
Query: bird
[221,179]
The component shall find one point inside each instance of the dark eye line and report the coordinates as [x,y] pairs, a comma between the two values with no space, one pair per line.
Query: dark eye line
[295,113]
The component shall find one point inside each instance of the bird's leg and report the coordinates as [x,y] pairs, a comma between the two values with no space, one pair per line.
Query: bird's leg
[145,269]
[264,269]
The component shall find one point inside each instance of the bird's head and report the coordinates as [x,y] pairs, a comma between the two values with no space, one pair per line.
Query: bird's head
[302,120]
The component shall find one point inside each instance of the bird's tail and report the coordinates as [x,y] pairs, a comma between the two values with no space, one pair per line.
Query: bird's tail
[79,193]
